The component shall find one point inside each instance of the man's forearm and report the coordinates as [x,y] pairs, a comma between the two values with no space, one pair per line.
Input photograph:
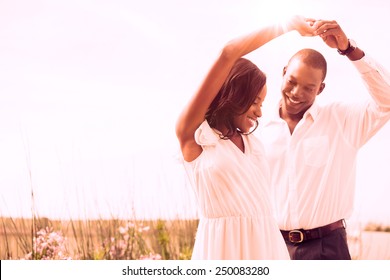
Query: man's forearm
[376,79]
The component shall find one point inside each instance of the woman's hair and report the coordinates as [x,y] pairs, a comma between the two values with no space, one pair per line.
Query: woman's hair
[236,95]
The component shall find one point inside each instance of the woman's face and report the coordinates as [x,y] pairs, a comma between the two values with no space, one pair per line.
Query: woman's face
[247,121]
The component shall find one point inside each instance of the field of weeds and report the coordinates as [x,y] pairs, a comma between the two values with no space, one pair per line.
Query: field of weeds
[112,239]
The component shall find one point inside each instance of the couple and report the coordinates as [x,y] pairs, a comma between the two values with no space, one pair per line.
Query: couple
[306,169]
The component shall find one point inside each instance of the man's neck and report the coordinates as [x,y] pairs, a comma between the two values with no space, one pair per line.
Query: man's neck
[291,119]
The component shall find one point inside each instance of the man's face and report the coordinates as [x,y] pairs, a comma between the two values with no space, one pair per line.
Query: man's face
[300,87]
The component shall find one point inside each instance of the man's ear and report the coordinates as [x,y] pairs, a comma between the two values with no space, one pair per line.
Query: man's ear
[322,86]
[284,70]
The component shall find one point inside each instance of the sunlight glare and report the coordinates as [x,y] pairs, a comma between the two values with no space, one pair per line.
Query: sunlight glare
[278,11]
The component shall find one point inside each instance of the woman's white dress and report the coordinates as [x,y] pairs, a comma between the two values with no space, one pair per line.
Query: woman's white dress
[235,214]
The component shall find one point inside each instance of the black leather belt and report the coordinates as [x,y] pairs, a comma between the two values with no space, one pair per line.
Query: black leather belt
[300,235]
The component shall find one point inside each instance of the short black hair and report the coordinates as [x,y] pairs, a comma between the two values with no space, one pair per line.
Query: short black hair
[312,58]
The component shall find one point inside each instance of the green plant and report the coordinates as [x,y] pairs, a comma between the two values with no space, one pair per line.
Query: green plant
[128,243]
[163,239]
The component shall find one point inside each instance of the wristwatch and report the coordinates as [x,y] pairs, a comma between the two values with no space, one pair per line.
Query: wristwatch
[351,47]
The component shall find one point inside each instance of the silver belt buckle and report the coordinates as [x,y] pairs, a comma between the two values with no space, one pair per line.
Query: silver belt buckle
[292,234]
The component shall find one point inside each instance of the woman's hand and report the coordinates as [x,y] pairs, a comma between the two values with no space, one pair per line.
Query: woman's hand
[304,26]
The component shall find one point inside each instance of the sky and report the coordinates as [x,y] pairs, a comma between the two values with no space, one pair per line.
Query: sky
[90,92]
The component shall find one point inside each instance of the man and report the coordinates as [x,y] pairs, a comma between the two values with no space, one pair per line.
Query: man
[312,150]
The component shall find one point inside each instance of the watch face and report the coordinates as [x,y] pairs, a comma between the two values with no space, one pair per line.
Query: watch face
[352,44]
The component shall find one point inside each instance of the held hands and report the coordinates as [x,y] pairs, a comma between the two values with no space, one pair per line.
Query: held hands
[303,25]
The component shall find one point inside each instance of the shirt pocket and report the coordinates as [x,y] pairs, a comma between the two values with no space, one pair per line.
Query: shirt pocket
[316,151]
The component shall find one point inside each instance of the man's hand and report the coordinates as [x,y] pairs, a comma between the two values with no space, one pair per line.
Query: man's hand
[331,33]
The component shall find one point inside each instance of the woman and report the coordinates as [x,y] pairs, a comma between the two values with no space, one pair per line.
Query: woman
[226,164]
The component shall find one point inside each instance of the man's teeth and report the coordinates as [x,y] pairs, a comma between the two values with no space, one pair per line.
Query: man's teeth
[293,101]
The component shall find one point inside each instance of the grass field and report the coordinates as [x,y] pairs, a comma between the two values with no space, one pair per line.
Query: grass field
[113,239]
[96,239]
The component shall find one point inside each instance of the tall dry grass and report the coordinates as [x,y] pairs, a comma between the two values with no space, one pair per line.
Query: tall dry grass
[40,238]
[98,239]
[110,239]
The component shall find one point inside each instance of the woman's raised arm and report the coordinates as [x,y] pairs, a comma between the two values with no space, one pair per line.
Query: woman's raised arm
[194,112]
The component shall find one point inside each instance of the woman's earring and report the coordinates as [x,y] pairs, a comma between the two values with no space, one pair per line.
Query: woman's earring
[250,132]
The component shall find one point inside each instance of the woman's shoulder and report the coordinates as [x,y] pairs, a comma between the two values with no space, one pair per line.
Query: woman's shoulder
[205,135]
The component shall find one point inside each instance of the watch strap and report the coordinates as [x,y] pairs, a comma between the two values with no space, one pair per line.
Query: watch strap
[350,49]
